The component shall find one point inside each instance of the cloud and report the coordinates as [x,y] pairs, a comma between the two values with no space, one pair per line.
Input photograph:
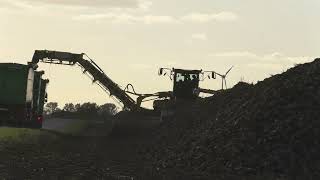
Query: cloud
[74,7]
[199,36]
[205,18]
[250,55]
[14,4]
[114,11]
[121,17]
[113,17]
[145,5]
[245,54]
[272,60]
[150,19]
[128,18]
[86,3]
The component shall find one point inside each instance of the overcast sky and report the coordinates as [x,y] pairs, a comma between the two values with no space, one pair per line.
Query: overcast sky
[131,39]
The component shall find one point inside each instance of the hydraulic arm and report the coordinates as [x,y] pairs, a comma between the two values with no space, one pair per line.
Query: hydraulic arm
[89,66]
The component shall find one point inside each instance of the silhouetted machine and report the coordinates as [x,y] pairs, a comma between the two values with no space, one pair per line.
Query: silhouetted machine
[89,66]
[185,82]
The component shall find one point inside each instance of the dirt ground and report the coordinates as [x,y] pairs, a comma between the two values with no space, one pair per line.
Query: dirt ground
[58,124]
[87,156]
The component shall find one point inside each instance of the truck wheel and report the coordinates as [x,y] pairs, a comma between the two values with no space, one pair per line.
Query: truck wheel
[36,125]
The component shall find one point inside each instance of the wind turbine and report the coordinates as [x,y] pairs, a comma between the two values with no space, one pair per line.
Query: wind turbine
[223,78]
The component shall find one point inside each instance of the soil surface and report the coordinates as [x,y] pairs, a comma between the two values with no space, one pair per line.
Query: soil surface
[268,130]
[73,157]
[58,124]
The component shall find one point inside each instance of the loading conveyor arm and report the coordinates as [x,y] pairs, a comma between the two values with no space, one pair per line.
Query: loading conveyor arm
[66,58]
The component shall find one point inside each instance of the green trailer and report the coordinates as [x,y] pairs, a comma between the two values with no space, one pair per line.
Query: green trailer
[22,95]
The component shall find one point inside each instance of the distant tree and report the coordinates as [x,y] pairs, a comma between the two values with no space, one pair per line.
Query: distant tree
[88,108]
[77,107]
[69,107]
[51,107]
[107,109]
[57,110]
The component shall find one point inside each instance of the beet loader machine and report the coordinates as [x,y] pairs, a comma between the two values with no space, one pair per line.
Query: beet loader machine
[134,118]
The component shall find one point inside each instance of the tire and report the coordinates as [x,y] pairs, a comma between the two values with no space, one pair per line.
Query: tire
[34,125]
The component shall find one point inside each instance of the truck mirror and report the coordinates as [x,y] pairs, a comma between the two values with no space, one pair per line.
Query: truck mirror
[214,76]
[160,71]
[46,98]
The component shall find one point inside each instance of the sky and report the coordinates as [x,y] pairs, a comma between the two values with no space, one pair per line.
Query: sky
[131,39]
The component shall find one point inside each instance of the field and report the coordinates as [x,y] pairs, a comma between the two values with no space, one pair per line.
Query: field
[80,150]
[23,135]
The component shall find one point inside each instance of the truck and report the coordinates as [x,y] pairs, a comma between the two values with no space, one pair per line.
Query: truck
[22,95]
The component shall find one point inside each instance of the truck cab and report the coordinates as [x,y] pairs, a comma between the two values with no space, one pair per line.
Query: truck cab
[185,83]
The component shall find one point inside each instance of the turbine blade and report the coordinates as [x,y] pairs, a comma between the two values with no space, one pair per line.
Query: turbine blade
[229,70]
[218,74]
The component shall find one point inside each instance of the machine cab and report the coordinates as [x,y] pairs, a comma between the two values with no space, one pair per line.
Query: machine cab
[185,82]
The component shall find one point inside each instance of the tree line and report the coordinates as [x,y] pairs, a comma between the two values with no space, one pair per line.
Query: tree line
[87,109]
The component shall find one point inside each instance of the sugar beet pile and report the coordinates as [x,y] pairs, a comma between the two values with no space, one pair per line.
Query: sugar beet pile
[272,127]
